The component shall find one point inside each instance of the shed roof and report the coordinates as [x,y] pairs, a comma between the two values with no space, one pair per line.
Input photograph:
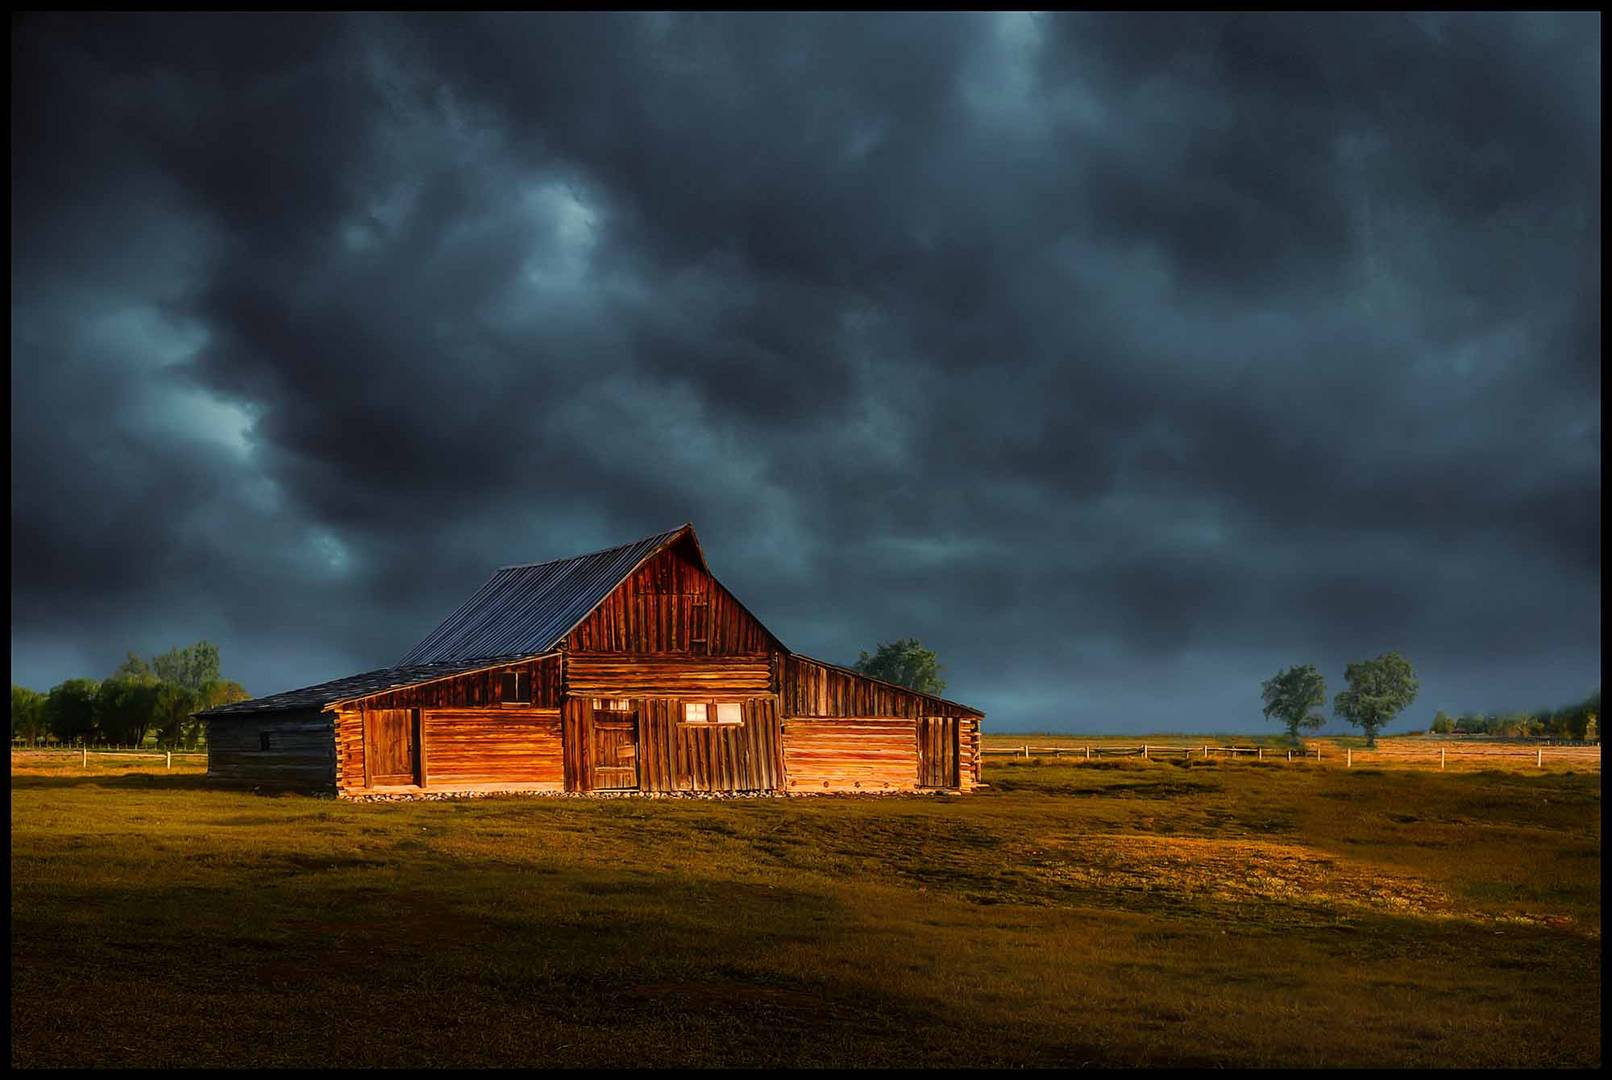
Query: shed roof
[348,687]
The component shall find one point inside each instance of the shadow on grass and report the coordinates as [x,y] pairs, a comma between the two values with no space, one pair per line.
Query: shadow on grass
[592,968]
[141,781]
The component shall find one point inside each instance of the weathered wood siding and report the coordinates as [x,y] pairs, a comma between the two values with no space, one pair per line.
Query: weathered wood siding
[478,688]
[673,755]
[938,747]
[300,753]
[671,605]
[850,754]
[491,746]
[811,688]
[486,742]
[619,675]
[576,730]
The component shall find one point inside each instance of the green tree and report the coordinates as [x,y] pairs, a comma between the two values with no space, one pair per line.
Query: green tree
[174,705]
[70,710]
[1294,696]
[906,663]
[1443,724]
[1378,691]
[213,692]
[27,715]
[192,667]
[126,708]
[134,666]
[1581,718]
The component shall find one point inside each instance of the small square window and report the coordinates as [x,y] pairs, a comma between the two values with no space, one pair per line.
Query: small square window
[517,688]
[263,740]
[694,712]
[728,712]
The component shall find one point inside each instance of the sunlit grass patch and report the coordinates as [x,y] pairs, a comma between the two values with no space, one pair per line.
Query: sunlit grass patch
[1241,871]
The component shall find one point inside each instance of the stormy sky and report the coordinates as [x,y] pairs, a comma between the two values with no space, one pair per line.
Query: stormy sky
[1121,359]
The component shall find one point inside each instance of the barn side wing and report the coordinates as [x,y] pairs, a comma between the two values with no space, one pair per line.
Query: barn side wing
[844,731]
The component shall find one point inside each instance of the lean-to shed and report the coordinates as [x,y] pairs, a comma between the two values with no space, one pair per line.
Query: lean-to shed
[627,669]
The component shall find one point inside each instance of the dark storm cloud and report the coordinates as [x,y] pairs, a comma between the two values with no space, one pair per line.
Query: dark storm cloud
[1123,359]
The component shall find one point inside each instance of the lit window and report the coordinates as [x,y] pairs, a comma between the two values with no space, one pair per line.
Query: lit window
[730,713]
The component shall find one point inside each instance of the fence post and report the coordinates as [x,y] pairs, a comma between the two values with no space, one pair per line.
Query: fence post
[170,759]
[86,761]
[1088,753]
[1348,757]
[1259,753]
[1144,751]
[1441,759]
[1539,757]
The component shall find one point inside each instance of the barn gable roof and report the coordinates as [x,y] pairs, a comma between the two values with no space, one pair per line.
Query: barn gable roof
[524,610]
[521,612]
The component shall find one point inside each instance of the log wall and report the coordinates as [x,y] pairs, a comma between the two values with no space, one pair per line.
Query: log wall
[617,675]
[468,711]
[492,746]
[969,750]
[850,754]
[299,755]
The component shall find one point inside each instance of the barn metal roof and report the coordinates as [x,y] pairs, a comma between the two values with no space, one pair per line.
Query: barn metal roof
[347,688]
[523,610]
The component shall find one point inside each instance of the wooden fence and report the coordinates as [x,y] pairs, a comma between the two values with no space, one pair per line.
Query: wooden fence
[83,753]
[1149,751]
[1386,753]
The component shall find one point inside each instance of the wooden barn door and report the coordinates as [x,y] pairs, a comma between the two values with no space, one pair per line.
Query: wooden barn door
[392,750]
[615,748]
[937,752]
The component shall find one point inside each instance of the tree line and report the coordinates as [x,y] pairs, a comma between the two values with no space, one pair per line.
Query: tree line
[145,698]
[1578,721]
[1379,690]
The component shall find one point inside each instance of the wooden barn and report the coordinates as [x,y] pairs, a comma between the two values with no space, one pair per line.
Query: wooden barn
[630,669]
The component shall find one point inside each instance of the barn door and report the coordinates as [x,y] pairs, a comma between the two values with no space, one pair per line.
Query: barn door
[937,752]
[392,751]
[615,748]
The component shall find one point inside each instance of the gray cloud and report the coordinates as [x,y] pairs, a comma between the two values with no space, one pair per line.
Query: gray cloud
[1121,358]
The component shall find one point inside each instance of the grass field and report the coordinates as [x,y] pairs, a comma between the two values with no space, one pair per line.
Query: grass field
[1112,913]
